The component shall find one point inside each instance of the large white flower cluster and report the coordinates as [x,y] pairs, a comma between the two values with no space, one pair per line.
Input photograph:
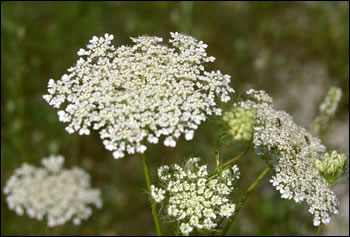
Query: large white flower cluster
[292,149]
[139,92]
[52,192]
[192,197]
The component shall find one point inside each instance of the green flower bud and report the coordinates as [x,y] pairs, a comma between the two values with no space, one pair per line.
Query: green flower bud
[240,122]
[330,165]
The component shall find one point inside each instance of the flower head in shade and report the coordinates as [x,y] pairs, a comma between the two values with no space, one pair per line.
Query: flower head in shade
[291,149]
[331,165]
[327,110]
[50,191]
[192,197]
[330,104]
[240,123]
[138,93]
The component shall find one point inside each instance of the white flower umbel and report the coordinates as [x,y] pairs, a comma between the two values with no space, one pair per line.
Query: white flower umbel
[292,149]
[138,93]
[192,197]
[52,192]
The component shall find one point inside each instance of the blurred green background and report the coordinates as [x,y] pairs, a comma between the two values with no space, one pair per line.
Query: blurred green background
[293,50]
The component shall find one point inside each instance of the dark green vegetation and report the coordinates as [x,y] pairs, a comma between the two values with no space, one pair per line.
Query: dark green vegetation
[294,51]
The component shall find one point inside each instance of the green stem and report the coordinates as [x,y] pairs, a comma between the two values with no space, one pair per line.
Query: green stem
[217,158]
[148,181]
[48,231]
[234,159]
[243,199]
[319,230]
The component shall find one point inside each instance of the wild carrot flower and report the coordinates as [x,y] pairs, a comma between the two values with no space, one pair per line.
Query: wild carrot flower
[52,192]
[292,150]
[138,93]
[192,197]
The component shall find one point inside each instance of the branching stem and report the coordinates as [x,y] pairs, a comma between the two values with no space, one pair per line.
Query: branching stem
[243,199]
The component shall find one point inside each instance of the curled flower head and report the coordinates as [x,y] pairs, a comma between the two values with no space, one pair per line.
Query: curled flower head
[291,149]
[52,192]
[331,165]
[192,197]
[240,123]
[138,93]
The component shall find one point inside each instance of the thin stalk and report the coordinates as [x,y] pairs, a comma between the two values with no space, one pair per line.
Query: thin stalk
[217,158]
[48,231]
[148,181]
[234,159]
[319,230]
[243,199]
